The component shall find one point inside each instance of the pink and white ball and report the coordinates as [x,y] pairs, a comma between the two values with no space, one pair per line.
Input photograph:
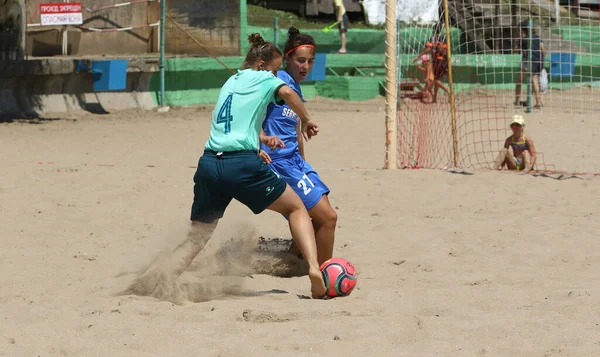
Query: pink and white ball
[339,276]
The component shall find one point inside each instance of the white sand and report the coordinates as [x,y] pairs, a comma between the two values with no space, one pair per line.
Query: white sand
[490,264]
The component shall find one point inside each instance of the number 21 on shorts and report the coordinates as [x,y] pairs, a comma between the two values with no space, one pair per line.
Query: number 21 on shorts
[302,184]
[224,116]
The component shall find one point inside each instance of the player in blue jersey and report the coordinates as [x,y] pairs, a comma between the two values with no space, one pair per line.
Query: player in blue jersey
[289,162]
[231,168]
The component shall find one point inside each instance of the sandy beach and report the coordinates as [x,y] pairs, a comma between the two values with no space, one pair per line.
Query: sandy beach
[476,264]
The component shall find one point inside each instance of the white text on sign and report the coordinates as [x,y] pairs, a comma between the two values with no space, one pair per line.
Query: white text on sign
[65,8]
[61,19]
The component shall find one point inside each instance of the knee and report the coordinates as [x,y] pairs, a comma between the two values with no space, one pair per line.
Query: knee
[296,208]
[503,151]
[331,218]
[326,218]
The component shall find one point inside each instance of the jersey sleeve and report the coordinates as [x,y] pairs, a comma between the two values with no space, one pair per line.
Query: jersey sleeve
[270,87]
[290,82]
[285,77]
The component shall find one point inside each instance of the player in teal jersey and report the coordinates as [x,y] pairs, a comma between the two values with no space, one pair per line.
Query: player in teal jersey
[231,168]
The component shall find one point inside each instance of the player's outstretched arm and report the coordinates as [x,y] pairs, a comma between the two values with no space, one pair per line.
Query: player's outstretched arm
[272,142]
[543,49]
[300,140]
[309,128]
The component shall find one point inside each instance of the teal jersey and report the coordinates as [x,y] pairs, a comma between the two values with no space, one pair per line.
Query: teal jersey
[241,110]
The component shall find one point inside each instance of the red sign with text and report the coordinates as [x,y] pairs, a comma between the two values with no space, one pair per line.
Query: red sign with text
[66,13]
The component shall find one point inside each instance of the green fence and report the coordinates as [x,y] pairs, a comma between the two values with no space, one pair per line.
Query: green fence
[192,81]
[360,41]
[587,37]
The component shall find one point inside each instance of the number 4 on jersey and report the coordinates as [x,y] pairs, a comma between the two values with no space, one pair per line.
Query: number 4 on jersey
[224,116]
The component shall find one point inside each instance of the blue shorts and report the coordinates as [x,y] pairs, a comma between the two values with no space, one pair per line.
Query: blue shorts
[302,178]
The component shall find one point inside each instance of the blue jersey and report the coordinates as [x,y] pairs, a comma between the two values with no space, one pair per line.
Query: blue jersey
[240,110]
[282,122]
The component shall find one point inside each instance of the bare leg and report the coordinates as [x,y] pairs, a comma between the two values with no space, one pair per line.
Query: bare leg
[428,87]
[290,205]
[500,159]
[294,248]
[324,220]
[436,89]
[343,40]
[511,163]
[520,76]
[441,84]
[536,89]
[167,269]
[527,161]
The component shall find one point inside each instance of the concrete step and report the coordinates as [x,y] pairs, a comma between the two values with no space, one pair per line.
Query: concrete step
[484,10]
[478,2]
[556,43]
[496,21]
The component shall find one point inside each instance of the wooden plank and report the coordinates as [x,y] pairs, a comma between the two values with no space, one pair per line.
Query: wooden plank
[589,14]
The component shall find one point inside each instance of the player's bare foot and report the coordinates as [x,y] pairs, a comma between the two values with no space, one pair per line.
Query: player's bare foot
[147,283]
[318,288]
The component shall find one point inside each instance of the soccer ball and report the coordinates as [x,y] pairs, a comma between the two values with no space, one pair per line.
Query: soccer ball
[339,276]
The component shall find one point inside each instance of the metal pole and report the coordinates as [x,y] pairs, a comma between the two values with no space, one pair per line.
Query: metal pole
[529,52]
[391,85]
[451,87]
[557,11]
[276,31]
[65,40]
[163,10]
[399,64]
[22,52]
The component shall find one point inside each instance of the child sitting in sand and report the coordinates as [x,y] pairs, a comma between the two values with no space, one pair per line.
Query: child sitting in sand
[523,154]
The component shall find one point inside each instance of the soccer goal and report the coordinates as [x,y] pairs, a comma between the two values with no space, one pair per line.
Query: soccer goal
[461,76]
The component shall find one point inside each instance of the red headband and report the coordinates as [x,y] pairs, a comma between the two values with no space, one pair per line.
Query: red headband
[297,47]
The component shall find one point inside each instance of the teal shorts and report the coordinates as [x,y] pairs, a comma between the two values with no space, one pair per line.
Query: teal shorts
[242,175]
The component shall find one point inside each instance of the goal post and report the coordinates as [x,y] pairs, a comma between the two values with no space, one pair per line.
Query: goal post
[451,86]
[391,85]
[492,59]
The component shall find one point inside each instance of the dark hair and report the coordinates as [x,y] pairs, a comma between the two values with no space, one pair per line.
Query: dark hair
[295,39]
[260,50]
[525,30]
